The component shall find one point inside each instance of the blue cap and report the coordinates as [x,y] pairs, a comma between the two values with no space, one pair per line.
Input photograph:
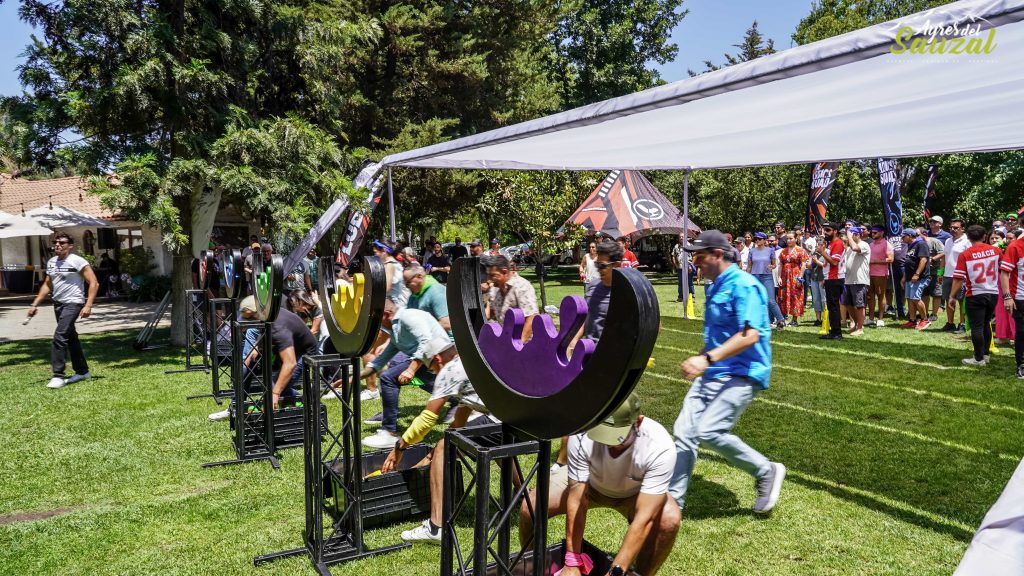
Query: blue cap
[856,230]
[760,235]
[909,232]
[382,246]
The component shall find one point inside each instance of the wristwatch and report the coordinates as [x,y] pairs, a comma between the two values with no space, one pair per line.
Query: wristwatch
[707,356]
[398,446]
[617,571]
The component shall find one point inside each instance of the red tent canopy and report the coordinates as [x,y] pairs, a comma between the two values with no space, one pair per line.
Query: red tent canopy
[627,204]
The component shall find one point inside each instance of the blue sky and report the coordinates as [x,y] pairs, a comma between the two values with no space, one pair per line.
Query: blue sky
[710,29]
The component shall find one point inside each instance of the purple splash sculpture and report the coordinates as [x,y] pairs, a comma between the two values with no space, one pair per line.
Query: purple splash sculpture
[541,367]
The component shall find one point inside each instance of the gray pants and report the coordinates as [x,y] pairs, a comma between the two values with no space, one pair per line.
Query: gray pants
[65,340]
[710,411]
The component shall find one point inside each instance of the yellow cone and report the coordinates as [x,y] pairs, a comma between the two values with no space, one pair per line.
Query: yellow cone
[650,362]
[689,307]
[992,345]
[824,322]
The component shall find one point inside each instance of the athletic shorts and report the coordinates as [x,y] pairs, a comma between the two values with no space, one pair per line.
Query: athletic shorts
[854,295]
[916,290]
[947,287]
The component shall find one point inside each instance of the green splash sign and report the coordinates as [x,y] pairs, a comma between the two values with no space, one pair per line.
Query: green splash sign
[951,40]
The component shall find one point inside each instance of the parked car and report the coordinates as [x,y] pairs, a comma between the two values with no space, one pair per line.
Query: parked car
[655,252]
[530,257]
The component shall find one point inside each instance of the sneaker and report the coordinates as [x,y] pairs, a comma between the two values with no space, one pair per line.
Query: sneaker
[449,416]
[375,420]
[923,324]
[933,318]
[57,382]
[910,324]
[880,324]
[961,329]
[793,323]
[222,415]
[972,362]
[816,323]
[859,332]
[890,311]
[368,395]
[330,394]
[422,533]
[556,467]
[78,378]
[831,337]
[768,488]
[1020,372]
[381,440]
[869,322]
[948,327]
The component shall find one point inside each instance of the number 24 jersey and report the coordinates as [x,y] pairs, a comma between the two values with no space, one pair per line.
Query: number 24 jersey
[979,266]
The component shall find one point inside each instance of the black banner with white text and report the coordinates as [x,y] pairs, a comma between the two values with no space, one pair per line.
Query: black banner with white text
[892,200]
[823,177]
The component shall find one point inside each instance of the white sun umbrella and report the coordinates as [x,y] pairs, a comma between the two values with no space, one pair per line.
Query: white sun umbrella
[63,217]
[12,226]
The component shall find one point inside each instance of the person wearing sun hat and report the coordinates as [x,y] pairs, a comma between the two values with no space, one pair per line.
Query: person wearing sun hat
[624,463]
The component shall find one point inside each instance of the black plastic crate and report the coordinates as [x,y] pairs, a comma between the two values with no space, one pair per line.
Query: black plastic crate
[556,557]
[288,424]
[393,497]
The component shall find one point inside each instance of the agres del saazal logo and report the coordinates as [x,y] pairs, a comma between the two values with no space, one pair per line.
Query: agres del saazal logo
[960,37]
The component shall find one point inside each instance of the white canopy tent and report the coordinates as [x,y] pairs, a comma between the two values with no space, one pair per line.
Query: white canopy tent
[12,226]
[63,217]
[845,98]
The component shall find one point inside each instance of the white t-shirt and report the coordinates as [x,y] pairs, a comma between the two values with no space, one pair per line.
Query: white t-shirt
[858,264]
[68,284]
[952,249]
[452,381]
[646,466]
[744,257]
[777,271]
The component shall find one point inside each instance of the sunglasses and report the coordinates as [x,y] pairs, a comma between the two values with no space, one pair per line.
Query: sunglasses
[605,265]
[60,242]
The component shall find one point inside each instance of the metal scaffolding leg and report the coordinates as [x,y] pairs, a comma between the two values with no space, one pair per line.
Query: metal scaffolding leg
[197,337]
[333,455]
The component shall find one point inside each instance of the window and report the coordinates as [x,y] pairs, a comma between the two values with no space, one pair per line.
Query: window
[128,238]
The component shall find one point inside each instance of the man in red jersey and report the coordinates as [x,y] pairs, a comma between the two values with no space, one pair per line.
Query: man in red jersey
[628,258]
[831,251]
[979,267]
[1012,268]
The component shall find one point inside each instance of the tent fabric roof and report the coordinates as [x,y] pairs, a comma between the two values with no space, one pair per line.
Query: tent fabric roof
[625,203]
[12,226]
[843,98]
[63,217]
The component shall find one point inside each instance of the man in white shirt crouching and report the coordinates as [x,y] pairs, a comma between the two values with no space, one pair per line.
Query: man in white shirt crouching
[624,463]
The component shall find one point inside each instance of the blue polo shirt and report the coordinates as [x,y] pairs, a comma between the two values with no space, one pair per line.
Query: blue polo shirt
[734,301]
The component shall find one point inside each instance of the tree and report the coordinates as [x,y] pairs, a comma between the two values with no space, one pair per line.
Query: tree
[753,46]
[603,47]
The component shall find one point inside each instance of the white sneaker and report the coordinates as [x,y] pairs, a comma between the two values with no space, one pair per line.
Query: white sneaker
[869,322]
[222,415]
[422,533]
[78,378]
[973,362]
[368,395]
[880,324]
[57,382]
[556,467]
[381,440]
[857,332]
[329,395]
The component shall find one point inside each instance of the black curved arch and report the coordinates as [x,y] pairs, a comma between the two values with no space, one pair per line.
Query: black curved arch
[233,268]
[206,267]
[359,340]
[267,286]
[607,378]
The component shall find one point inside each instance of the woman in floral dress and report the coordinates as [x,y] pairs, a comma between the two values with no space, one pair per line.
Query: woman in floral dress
[790,296]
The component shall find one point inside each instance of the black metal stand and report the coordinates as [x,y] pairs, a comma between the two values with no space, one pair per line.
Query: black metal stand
[253,403]
[142,340]
[222,346]
[197,337]
[339,455]
[478,448]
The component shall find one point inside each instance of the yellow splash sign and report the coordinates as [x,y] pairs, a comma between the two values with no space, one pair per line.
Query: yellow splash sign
[347,301]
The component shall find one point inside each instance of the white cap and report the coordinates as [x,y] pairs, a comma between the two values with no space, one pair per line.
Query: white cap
[936,219]
[435,347]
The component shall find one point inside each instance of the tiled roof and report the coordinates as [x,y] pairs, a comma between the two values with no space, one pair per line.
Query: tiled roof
[72,192]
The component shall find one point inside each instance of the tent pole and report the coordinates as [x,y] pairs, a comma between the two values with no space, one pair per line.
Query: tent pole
[686,238]
[391,207]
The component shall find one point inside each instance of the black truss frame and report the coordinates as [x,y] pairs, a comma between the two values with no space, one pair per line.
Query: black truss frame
[477,448]
[197,334]
[326,452]
[222,364]
[254,430]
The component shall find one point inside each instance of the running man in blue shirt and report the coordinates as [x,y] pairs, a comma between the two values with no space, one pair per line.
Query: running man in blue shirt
[733,367]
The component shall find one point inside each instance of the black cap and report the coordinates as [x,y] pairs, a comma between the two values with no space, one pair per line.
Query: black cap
[476,242]
[832,225]
[707,240]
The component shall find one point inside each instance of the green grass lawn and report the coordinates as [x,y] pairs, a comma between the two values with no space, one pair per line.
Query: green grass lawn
[895,453]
